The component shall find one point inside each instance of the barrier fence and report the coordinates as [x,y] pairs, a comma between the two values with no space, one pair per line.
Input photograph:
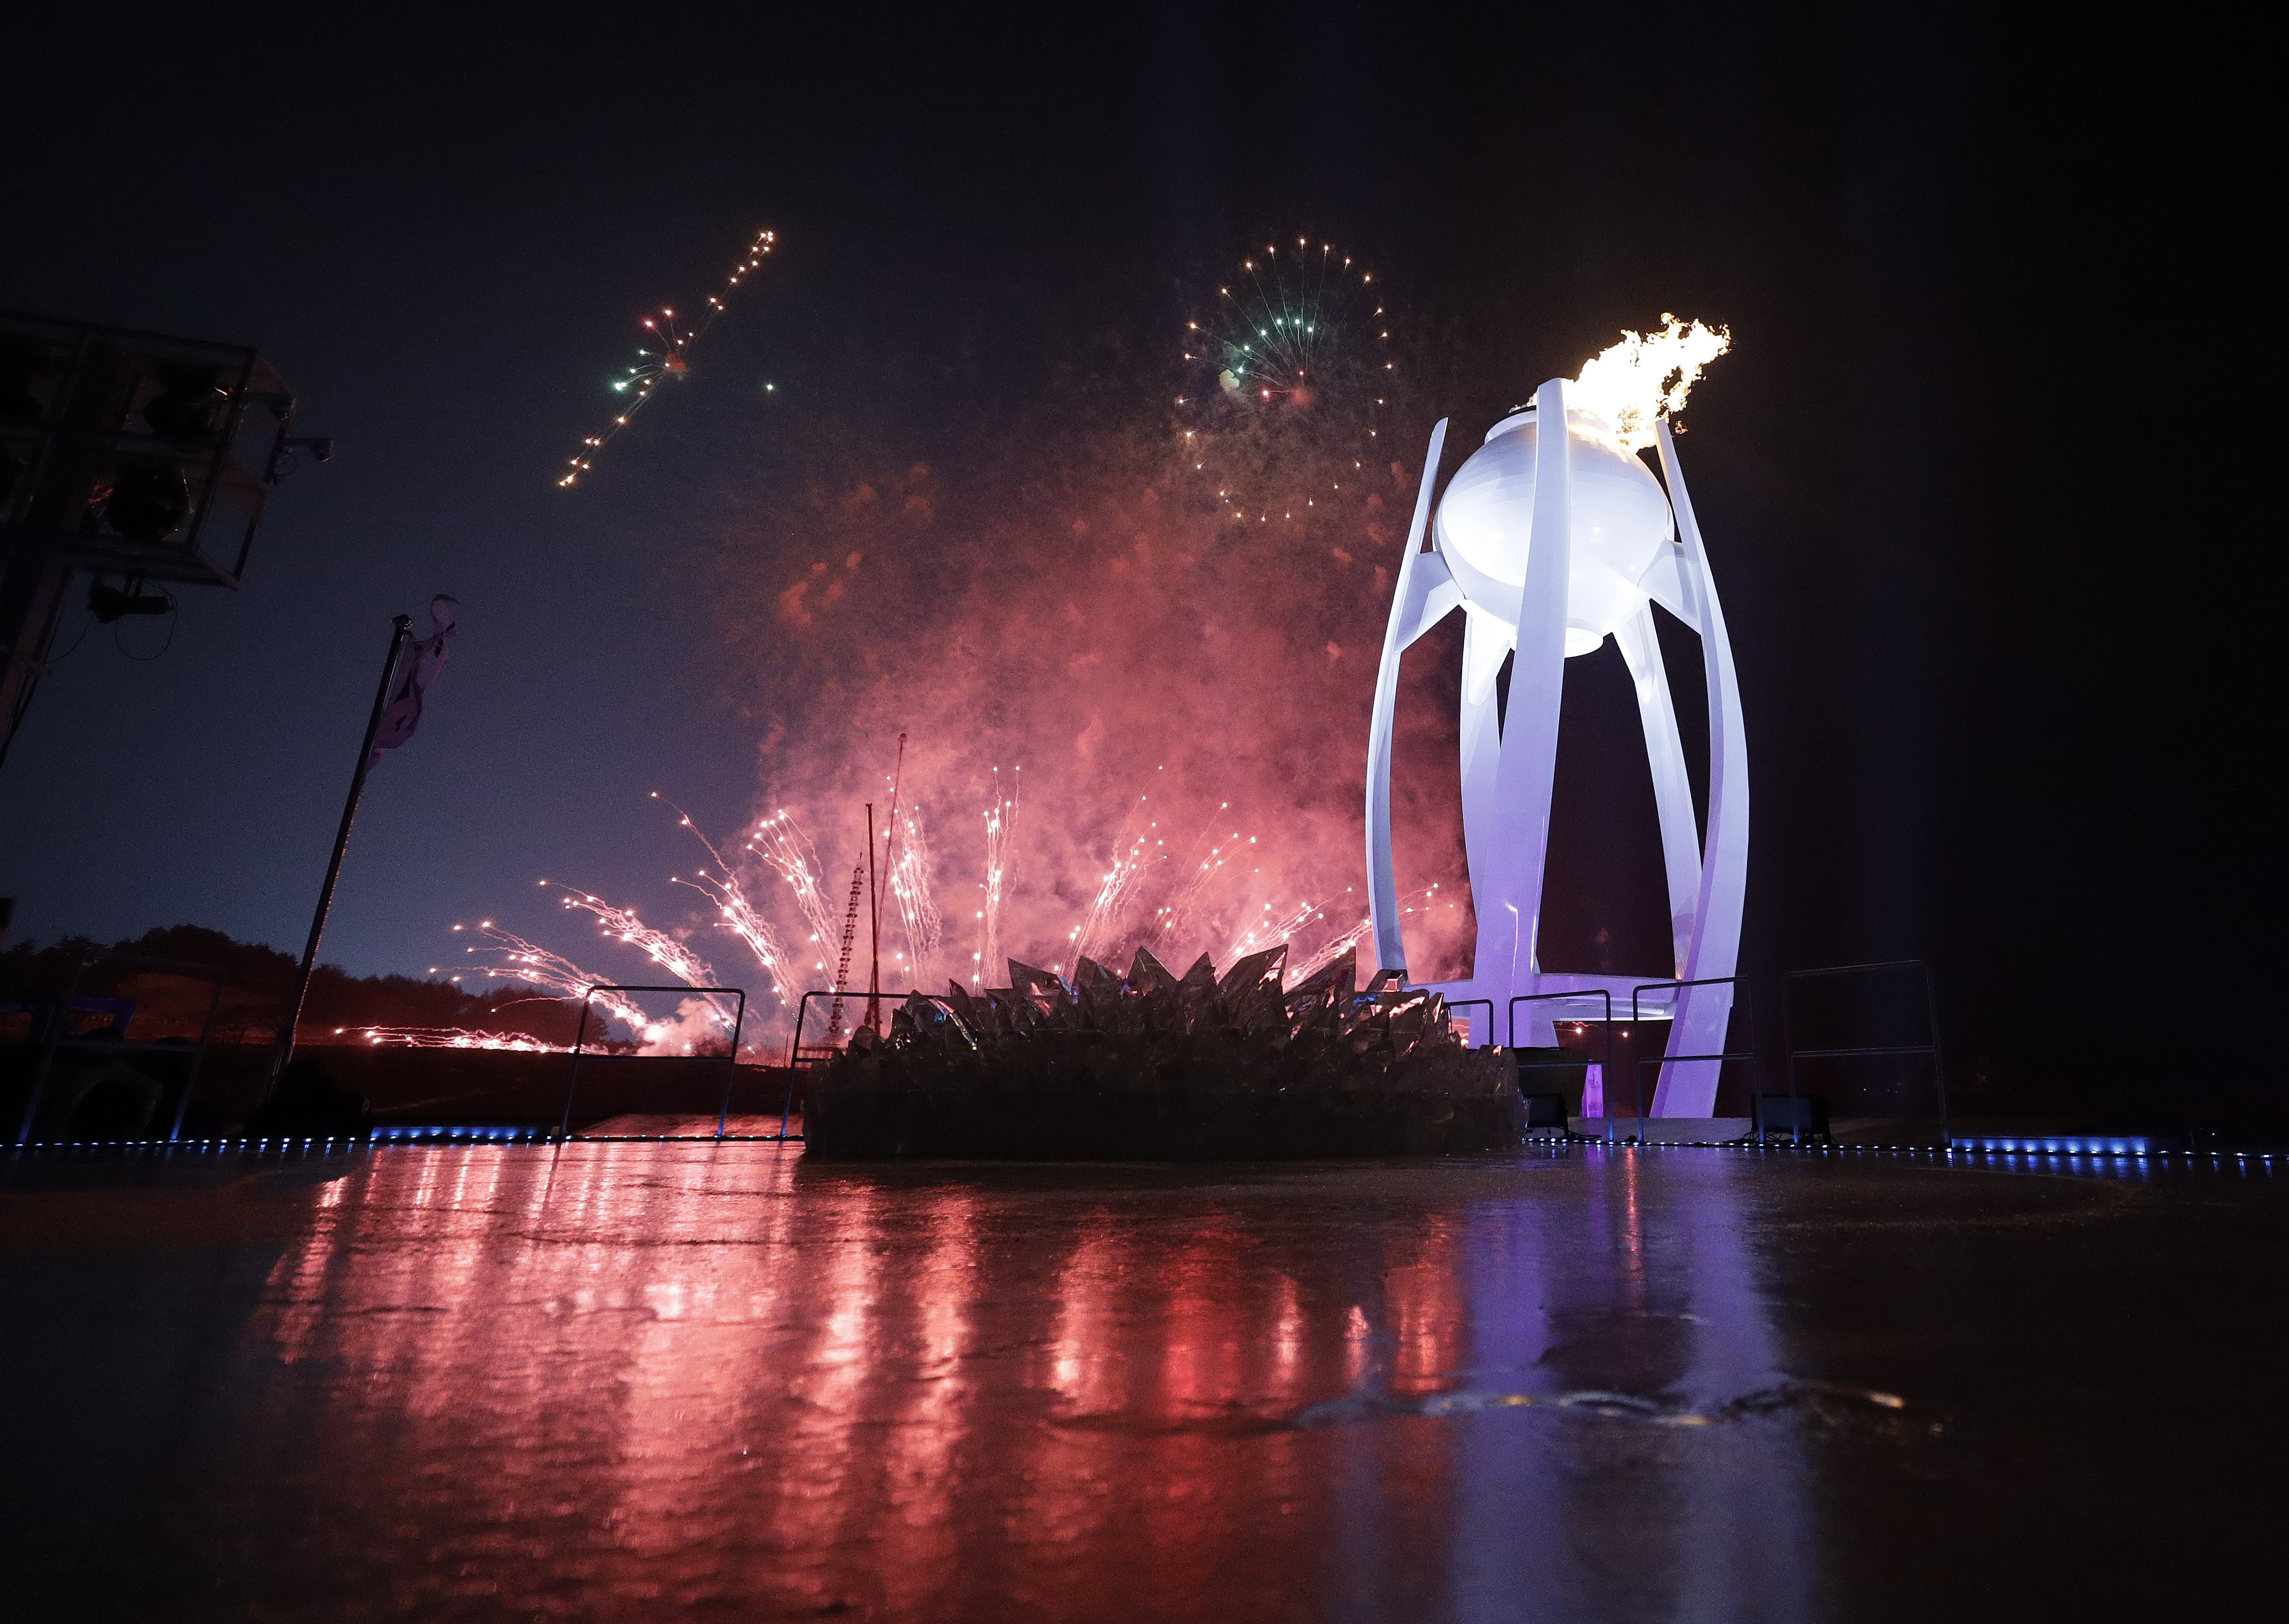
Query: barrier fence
[730,1060]
[1792,978]
[52,1036]
[52,1033]
[1739,1005]
[795,1048]
[1464,1003]
[1606,1021]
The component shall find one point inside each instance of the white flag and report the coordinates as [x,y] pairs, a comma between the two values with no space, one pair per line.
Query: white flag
[417,669]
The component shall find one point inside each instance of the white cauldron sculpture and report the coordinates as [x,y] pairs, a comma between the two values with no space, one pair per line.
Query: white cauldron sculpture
[1550,544]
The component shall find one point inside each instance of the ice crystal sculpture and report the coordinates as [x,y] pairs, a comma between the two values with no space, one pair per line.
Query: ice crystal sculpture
[1152,1066]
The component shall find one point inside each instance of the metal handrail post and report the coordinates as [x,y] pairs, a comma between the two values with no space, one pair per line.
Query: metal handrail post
[794,1050]
[732,1070]
[794,1054]
[1461,1003]
[198,1063]
[1606,1072]
[579,1037]
[572,1081]
[58,1018]
[1939,1065]
[1637,1072]
[1931,1022]
[786,1106]
[1788,1040]
[1749,1054]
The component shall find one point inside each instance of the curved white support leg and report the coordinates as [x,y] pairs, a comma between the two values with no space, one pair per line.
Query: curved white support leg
[1486,640]
[1689,1089]
[1510,909]
[1426,592]
[1672,788]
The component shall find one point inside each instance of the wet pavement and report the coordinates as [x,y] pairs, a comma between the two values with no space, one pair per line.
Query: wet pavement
[686,1380]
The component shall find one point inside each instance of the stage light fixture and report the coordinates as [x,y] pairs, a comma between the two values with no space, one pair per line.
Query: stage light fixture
[189,406]
[149,501]
[127,454]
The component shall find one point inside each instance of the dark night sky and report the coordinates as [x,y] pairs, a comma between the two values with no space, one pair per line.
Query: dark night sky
[1997,346]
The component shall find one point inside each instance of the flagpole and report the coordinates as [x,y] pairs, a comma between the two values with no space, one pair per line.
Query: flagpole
[401,633]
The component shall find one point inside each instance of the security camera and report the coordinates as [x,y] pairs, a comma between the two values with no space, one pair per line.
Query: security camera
[286,448]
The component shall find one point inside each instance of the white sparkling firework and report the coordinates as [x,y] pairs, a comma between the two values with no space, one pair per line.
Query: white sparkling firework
[1000,833]
[735,913]
[1224,858]
[1175,918]
[520,961]
[664,351]
[1329,950]
[910,888]
[780,845]
[1284,321]
[1271,927]
[1099,929]
[623,924]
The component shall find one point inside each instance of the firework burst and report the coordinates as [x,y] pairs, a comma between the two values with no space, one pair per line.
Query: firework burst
[1176,918]
[663,352]
[622,924]
[1146,894]
[1287,383]
[447,1038]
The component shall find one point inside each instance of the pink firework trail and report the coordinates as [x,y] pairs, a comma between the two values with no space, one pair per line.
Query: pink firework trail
[738,915]
[1205,870]
[698,1020]
[1270,929]
[552,972]
[735,912]
[910,888]
[780,845]
[622,924]
[447,1037]
[1000,832]
[1329,951]
[1116,891]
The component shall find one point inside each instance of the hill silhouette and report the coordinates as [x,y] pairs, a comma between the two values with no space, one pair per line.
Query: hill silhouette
[259,983]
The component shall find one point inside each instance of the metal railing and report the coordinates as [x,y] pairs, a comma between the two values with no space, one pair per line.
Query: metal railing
[1606,1073]
[58,1036]
[795,1048]
[1931,1024]
[731,1060]
[1459,1003]
[1740,1003]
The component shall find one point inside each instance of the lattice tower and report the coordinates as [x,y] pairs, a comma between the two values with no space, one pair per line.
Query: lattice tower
[849,936]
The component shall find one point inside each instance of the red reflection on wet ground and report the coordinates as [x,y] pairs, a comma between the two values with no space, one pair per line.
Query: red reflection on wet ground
[622,1379]
[928,1393]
